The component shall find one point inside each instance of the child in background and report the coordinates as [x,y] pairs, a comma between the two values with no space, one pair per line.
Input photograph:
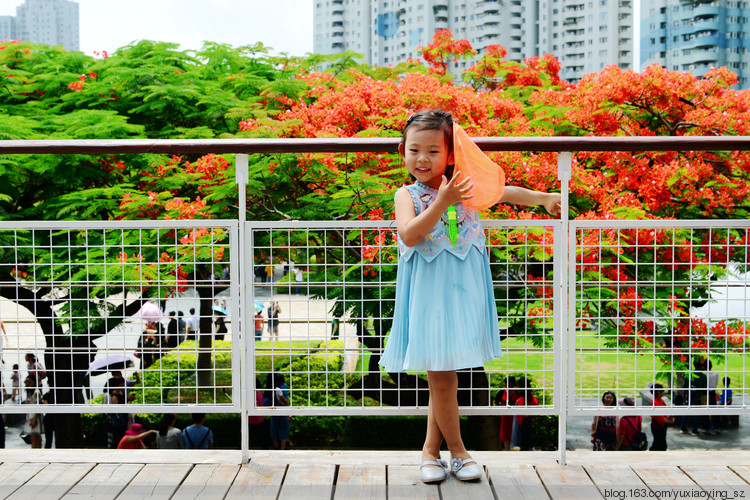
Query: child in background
[15,380]
[445,316]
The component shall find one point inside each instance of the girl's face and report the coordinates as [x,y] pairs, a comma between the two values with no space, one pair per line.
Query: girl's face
[609,400]
[426,156]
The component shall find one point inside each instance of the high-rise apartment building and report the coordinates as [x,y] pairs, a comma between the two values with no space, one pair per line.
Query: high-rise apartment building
[54,22]
[585,35]
[695,36]
[7,27]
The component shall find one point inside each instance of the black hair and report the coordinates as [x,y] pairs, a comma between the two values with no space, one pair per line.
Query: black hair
[727,381]
[197,417]
[657,387]
[432,119]
[192,310]
[166,420]
[273,380]
[614,397]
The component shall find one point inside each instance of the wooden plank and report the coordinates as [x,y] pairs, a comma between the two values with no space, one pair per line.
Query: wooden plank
[478,489]
[404,483]
[617,481]
[257,480]
[743,471]
[13,475]
[718,481]
[105,481]
[568,482]
[207,481]
[361,481]
[668,480]
[520,482]
[308,482]
[156,481]
[54,481]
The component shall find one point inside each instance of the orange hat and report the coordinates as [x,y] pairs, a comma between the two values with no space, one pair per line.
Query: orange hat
[486,175]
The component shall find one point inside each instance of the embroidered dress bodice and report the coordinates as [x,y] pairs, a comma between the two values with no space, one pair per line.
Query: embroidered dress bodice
[470,233]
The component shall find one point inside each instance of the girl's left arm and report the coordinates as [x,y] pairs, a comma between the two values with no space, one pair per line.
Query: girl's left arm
[515,195]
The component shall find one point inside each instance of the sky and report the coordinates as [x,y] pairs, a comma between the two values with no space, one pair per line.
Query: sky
[283,25]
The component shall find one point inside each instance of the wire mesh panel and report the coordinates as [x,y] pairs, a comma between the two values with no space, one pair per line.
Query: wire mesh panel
[99,314]
[660,302]
[324,296]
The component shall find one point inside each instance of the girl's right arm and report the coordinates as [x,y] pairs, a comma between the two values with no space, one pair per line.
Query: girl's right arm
[413,228]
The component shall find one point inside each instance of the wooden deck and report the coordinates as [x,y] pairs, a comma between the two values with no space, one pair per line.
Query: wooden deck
[103,474]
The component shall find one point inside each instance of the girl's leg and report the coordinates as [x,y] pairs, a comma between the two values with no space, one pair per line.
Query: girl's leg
[434,438]
[444,405]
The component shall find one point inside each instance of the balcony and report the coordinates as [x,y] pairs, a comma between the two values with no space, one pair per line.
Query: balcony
[566,352]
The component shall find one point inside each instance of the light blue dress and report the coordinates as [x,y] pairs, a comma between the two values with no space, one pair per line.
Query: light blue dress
[445,316]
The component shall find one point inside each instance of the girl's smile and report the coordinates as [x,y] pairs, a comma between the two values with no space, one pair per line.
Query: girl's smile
[426,156]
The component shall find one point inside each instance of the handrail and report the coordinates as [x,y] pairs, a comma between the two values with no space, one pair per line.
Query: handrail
[362,145]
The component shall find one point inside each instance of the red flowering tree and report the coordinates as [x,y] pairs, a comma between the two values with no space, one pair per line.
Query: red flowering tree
[444,50]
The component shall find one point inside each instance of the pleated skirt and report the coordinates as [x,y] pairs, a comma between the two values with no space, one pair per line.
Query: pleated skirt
[445,316]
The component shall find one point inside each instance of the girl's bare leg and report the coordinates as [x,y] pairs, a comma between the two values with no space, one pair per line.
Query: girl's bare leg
[434,438]
[444,406]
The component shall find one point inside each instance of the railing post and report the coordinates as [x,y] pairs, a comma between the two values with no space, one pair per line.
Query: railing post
[246,389]
[562,302]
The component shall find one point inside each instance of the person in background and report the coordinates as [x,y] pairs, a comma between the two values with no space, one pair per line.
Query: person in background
[524,423]
[219,321]
[278,396]
[273,319]
[713,425]
[35,370]
[15,381]
[335,328]
[47,420]
[133,438]
[33,426]
[191,325]
[725,399]
[629,426]
[696,385]
[198,436]
[169,437]
[258,435]
[508,397]
[258,325]
[298,277]
[659,423]
[604,427]
[269,271]
[172,338]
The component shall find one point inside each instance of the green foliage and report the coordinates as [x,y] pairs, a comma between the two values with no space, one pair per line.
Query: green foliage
[173,378]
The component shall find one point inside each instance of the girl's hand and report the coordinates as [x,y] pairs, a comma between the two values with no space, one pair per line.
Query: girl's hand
[454,191]
[553,204]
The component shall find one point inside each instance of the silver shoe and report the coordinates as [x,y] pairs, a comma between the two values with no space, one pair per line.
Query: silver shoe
[466,469]
[433,474]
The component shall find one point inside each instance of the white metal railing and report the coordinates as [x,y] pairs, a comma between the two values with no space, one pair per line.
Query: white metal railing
[649,300]
[83,277]
[625,321]
[75,299]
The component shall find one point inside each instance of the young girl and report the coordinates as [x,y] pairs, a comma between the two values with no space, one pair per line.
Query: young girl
[445,317]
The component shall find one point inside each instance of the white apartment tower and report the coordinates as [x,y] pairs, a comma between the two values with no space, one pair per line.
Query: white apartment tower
[54,22]
[695,36]
[585,35]
[7,27]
